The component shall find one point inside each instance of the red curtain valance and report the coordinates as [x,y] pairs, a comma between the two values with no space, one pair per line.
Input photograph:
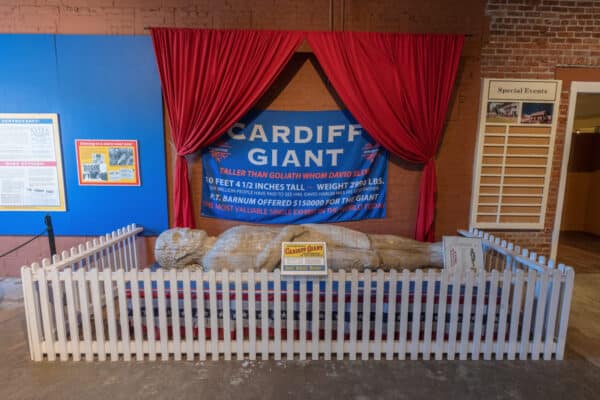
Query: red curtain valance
[397,86]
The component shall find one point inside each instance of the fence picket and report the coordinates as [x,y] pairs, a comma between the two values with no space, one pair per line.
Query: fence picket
[302,319]
[524,345]
[515,315]
[341,309]
[289,337]
[277,311]
[391,317]
[316,301]
[198,277]
[427,335]
[504,296]
[46,314]
[328,318]
[239,314]
[549,342]
[109,296]
[479,309]
[251,316]
[567,290]
[540,313]
[491,316]
[72,316]
[441,319]
[85,314]
[175,314]
[98,315]
[214,330]
[226,315]
[59,314]
[123,314]
[264,314]
[416,315]
[465,329]
[137,317]
[187,314]
[366,317]
[149,307]
[162,314]
[33,328]
[452,336]
[353,315]
[404,301]
[378,316]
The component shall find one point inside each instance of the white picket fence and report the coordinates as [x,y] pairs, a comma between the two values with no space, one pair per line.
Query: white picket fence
[94,303]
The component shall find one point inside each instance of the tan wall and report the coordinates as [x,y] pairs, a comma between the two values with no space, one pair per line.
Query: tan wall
[301,87]
[576,201]
[592,221]
[588,122]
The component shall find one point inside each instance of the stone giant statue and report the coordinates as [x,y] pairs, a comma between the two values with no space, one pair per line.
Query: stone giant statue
[256,247]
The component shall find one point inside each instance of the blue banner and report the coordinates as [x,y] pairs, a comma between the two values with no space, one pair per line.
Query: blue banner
[290,167]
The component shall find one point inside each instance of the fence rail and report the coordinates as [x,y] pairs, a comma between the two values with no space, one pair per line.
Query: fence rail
[96,311]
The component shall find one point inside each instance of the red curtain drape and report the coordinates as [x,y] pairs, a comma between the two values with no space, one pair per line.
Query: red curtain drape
[398,87]
[210,79]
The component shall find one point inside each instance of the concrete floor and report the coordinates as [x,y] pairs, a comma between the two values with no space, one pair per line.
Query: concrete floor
[577,377]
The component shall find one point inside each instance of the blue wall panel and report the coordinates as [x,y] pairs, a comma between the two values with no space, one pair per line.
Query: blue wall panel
[102,87]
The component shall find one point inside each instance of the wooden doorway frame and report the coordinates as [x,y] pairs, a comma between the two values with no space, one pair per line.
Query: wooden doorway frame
[577,87]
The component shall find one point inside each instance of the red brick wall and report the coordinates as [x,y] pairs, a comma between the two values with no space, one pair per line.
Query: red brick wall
[534,39]
[301,87]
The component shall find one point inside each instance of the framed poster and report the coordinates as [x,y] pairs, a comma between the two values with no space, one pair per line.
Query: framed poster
[108,162]
[31,175]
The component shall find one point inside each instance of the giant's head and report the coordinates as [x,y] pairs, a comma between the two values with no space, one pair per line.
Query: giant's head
[178,247]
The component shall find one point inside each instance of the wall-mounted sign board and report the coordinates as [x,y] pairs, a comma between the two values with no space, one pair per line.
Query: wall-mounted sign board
[108,162]
[517,129]
[31,174]
[462,253]
[303,258]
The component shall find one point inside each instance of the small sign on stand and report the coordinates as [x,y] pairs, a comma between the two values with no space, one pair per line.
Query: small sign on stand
[461,253]
[304,258]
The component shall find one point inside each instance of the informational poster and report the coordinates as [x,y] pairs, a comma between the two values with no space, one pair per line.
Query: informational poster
[108,162]
[462,253]
[295,167]
[303,258]
[31,176]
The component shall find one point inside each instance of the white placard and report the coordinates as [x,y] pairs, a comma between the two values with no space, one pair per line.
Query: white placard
[303,258]
[463,253]
[530,90]
[31,176]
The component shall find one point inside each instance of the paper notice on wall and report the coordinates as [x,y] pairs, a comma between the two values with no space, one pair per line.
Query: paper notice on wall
[30,163]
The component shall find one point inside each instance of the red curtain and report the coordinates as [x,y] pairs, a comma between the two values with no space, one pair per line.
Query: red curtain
[210,79]
[398,87]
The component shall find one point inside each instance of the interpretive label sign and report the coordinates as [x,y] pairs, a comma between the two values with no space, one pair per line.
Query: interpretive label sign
[285,167]
[303,258]
[108,162]
[463,253]
[31,177]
